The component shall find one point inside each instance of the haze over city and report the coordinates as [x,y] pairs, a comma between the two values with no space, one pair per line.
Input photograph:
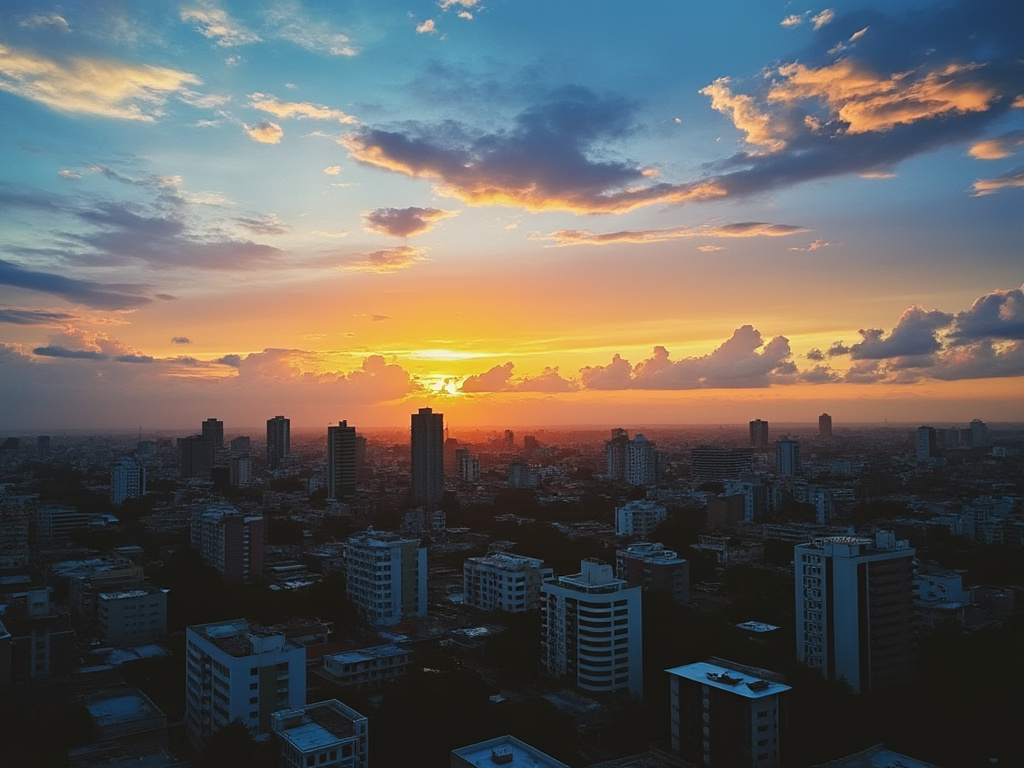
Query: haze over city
[515,213]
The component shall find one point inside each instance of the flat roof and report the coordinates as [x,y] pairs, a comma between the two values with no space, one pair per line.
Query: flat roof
[726,679]
[757,626]
[877,756]
[510,753]
[367,654]
[120,706]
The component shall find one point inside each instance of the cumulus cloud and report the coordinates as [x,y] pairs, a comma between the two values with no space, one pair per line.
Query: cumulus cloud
[404,222]
[388,260]
[995,316]
[299,109]
[544,161]
[998,148]
[426,27]
[914,334]
[1008,180]
[815,354]
[289,22]
[500,379]
[332,170]
[742,229]
[793,20]
[825,17]
[71,354]
[214,23]
[91,86]
[265,132]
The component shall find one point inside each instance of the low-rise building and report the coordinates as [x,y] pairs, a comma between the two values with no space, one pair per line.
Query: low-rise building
[326,734]
[651,566]
[638,518]
[504,582]
[132,617]
[368,667]
[506,751]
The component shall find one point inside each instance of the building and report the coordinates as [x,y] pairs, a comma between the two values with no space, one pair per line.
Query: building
[279,441]
[504,582]
[36,638]
[88,579]
[213,430]
[710,462]
[127,481]
[759,435]
[195,457]
[386,576]
[638,518]
[326,734]
[467,466]
[787,457]
[651,566]
[854,609]
[824,425]
[132,617]
[926,444]
[615,455]
[368,667]
[591,630]
[522,475]
[229,540]
[127,718]
[240,471]
[641,461]
[427,445]
[341,461]
[725,716]
[979,433]
[236,670]
[241,445]
[505,751]
[879,756]
[53,524]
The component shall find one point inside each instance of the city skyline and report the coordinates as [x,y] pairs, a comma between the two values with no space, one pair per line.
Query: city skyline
[510,214]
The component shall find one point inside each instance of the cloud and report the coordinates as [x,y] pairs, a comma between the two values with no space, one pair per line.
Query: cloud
[793,20]
[494,380]
[735,364]
[825,17]
[332,170]
[981,360]
[264,225]
[374,318]
[914,334]
[214,23]
[404,222]
[819,374]
[180,340]
[426,28]
[388,260]
[99,87]
[815,354]
[91,294]
[133,359]
[710,248]
[814,246]
[288,22]
[32,316]
[265,132]
[500,379]
[545,161]
[45,20]
[1009,180]
[743,229]
[446,4]
[837,349]
[70,354]
[998,148]
[288,109]
[995,316]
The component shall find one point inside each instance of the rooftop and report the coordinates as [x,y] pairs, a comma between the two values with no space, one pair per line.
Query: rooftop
[727,679]
[317,725]
[120,706]
[368,654]
[506,752]
[877,756]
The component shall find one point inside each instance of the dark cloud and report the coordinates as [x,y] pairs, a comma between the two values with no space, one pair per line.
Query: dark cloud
[180,340]
[71,354]
[816,354]
[997,315]
[235,361]
[914,334]
[838,348]
[33,317]
[264,225]
[92,294]
[404,222]
[133,359]
[980,361]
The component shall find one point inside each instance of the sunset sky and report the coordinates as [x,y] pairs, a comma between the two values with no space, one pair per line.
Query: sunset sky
[516,212]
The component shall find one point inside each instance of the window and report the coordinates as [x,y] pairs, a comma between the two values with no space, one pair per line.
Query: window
[311,760]
[253,686]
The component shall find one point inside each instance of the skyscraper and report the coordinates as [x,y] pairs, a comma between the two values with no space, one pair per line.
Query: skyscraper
[341,461]
[787,457]
[213,430]
[759,435]
[824,425]
[641,461]
[279,440]
[195,457]
[427,457]
[926,444]
[854,609]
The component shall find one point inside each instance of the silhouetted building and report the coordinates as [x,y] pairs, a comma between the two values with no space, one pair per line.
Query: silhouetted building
[213,430]
[43,446]
[195,457]
[427,457]
[240,471]
[279,440]
[979,433]
[241,445]
[638,518]
[641,462]
[787,457]
[341,461]
[230,541]
[503,750]
[925,444]
[759,435]
[854,609]
[709,462]
[615,454]
[467,466]
[651,566]
[35,637]
[132,617]
[824,425]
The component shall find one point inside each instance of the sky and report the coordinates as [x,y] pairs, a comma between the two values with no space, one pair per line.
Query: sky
[515,212]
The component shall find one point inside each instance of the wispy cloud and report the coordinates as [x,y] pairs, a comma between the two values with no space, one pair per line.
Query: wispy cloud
[87,292]
[32,316]
[214,23]
[100,87]
[827,16]
[404,222]
[743,229]
[388,260]
[1008,180]
[998,148]
[289,109]
[45,21]
[264,225]
[288,21]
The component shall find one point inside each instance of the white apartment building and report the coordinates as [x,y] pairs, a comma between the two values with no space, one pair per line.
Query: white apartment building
[132,617]
[591,630]
[235,670]
[504,582]
[326,734]
[386,576]
[127,481]
[639,518]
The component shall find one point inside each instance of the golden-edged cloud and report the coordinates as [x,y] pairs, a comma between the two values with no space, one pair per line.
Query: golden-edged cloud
[743,229]
[388,260]
[214,23]
[1008,180]
[998,148]
[289,109]
[92,86]
[265,132]
[404,222]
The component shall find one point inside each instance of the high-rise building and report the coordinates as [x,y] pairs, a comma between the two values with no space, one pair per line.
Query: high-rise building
[327,734]
[824,425]
[427,457]
[759,435]
[641,461]
[240,445]
[926,443]
[195,457]
[240,471]
[504,582]
[451,454]
[711,462]
[787,457]
[386,576]
[591,630]
[854,609]
[127,481]
[638,518]
[279,440]
[979,433]
[725,715]
[230,541]
[615,454]
[467,466]
[651,566]
[236,670]
[213,430]
[341,461]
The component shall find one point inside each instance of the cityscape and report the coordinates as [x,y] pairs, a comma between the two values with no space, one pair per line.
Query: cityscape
[476,383]
[768,595]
